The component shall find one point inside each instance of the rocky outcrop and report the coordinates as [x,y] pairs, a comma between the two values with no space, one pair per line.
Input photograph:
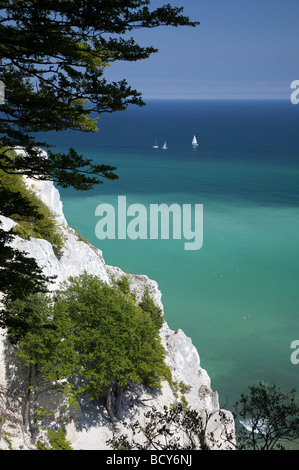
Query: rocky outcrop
[88,426]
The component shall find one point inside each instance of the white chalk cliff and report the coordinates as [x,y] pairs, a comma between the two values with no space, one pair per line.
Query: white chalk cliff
[88,426]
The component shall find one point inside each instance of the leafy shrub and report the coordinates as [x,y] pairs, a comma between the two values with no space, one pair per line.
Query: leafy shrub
[124,284]
[40,223]
[148,305]
[57,440]
[92,331]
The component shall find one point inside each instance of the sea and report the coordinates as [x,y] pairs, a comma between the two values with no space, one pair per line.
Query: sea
[237,296]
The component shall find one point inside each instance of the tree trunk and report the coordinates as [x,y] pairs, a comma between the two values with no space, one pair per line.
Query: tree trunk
[34,430]
[118,399]
[26,417]
[109,406]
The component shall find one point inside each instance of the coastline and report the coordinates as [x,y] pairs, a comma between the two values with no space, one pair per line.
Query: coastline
[181,356]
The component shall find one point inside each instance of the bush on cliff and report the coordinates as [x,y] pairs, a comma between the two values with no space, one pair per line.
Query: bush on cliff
[40,222]
[95,332]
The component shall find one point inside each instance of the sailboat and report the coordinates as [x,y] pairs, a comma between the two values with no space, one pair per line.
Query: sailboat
[156,145]
[164,146]
[194,142]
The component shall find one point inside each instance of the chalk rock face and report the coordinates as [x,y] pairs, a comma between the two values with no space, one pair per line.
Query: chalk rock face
[88,427]
[185,362]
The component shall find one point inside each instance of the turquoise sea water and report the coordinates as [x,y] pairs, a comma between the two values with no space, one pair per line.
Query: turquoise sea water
[238,296]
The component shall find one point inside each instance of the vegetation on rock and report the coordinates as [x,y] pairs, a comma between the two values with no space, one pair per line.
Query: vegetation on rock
[41,222]
[92,331]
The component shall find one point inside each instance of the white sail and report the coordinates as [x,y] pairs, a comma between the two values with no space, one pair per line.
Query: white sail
[194,141]
[164,146]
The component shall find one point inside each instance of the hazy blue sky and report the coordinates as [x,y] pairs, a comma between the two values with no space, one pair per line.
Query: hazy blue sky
[242,49]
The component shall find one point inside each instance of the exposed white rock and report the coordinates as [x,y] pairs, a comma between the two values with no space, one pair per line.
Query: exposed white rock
[89,427]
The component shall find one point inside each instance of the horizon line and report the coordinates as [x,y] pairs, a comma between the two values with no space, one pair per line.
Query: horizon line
[229,98]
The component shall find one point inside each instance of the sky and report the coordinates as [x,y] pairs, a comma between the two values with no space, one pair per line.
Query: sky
[242,49]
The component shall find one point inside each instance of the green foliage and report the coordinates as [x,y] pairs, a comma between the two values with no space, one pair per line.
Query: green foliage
[114,340]
[41,223]
[184,388]
[272,418]
[92,331]
[178,389]
[80,237]
[53,55]
[45,338]
[148,305]
[184,402]
[124,284]
[27,318]
[174,428]
[7,437]
[20,276]
[57,440]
